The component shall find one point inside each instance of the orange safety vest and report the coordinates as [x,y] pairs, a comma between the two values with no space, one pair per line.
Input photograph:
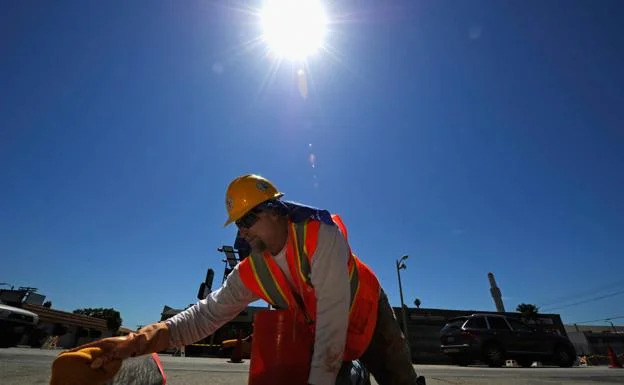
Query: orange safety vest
[262,275]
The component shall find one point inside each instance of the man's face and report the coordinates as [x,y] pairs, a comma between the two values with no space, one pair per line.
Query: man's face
[261,231]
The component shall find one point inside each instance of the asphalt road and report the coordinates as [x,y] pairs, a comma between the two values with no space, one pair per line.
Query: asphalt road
[32,366]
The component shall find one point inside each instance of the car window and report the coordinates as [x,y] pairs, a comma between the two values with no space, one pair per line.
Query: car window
[476,323]
[497,323]
[454,324]
[518,325]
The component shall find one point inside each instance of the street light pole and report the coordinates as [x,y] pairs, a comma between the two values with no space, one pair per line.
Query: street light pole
[613,326]
[401,265]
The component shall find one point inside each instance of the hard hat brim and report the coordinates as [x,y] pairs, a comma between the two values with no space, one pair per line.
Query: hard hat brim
[231,219]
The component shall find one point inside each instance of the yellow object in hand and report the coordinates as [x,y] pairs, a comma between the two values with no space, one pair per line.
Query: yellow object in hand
[74,368]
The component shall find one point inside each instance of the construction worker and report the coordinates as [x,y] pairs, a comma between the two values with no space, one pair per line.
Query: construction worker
[300,260]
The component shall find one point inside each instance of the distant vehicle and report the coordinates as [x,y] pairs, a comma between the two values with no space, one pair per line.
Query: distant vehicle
[227,347]
[494,339]
[14,323]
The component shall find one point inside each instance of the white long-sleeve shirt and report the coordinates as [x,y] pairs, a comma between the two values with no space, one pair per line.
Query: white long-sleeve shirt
[330,278]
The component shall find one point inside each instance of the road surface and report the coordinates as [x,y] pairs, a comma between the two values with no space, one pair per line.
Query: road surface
[19,366]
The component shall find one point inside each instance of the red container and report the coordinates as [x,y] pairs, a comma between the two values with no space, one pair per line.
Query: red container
[281,350]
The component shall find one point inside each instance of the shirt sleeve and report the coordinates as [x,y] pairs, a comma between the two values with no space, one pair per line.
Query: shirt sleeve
[330,278]
[206,316]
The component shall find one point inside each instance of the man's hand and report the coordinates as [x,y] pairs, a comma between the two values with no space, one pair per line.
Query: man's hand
[151,339]
[113,348]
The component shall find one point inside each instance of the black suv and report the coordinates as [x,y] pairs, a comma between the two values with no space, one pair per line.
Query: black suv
[495,338]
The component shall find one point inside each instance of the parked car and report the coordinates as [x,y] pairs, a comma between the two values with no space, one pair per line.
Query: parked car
[14,323]
[494,339]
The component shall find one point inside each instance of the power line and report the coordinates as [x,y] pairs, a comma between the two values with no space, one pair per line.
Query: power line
[601,319]
[568,298]
[586,300]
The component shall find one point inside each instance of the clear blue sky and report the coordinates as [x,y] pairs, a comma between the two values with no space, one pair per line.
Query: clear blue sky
[473,136]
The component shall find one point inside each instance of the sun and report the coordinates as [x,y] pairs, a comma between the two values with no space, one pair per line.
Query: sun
[293,29]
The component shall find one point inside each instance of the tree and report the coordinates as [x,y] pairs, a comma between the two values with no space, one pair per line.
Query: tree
[112,316]
[47,304]
[417,303]
[527,311]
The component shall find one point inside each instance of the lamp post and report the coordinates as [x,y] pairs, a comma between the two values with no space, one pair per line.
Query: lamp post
[613,326]
[400,264]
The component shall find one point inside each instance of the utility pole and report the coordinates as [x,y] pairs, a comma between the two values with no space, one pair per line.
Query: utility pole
[496,294]
[400,264]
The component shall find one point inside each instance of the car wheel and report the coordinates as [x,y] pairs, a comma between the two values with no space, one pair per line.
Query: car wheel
[563,356]
[525,362]
[8,340]
[494,355]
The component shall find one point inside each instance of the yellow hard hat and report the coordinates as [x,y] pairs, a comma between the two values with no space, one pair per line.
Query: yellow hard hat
[246,192]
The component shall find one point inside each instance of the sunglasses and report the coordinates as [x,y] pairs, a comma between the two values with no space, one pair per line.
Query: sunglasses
[249,219]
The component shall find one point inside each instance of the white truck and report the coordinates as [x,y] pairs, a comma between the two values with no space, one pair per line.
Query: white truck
[14,323]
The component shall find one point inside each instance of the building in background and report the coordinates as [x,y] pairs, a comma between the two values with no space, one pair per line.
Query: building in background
[594,339]
[67,329]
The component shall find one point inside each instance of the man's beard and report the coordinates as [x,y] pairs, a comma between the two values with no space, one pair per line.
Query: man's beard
[258,246]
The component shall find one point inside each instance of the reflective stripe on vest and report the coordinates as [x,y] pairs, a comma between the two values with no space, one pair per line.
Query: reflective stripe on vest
[261,274]
[303,261]
[267,282]
[354,281]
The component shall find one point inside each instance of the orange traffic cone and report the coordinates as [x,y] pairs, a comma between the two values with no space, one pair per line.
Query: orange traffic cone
[237,353]
[613,360]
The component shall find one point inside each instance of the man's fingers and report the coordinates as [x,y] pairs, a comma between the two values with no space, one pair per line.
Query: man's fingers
[98,362]
[104,344]
[109,355]
[89,345]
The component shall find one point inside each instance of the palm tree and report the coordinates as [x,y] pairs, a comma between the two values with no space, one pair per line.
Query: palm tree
[528,311]
[417,303]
